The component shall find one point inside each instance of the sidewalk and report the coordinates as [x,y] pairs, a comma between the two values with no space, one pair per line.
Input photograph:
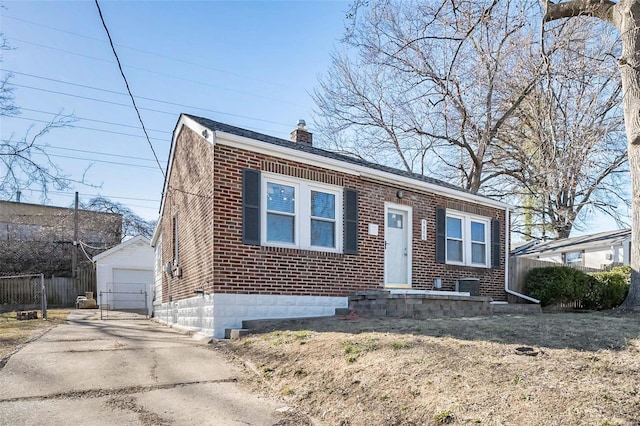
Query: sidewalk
[125,371]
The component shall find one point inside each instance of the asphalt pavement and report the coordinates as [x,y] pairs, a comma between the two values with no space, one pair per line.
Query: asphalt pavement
[126,371]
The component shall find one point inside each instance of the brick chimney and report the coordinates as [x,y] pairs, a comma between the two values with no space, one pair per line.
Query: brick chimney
[301,134]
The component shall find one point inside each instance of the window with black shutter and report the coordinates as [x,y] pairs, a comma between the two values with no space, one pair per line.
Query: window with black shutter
[251,206]
[350,221]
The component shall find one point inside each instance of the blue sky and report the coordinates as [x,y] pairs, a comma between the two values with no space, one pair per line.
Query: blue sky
[250,64]
[246,63]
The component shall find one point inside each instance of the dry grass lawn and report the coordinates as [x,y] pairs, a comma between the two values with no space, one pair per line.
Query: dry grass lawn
[14,334]
[392,371]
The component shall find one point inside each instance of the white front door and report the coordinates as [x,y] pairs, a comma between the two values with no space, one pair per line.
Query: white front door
[397,253]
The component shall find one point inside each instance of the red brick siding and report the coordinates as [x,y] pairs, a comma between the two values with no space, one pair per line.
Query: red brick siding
[240,268]
[190,195]
[206,192]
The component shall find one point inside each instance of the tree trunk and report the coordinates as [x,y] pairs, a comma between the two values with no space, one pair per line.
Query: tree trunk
[625,16]
[633,298]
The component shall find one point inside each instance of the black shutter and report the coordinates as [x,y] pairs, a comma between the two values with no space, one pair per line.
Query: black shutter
[251,206]
[350,221]
[495,243]
[441,235]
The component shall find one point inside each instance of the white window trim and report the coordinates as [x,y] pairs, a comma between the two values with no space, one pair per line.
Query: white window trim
[302,221]
[466,239]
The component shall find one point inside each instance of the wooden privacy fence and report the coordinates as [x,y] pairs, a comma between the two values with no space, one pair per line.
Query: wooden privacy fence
[519,268]
[61,291]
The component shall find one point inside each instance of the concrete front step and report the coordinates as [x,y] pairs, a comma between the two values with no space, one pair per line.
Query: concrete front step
[342,311]
[381,304]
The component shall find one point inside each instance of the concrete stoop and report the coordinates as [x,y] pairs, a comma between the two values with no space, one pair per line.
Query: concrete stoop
[419,306]
[381,303]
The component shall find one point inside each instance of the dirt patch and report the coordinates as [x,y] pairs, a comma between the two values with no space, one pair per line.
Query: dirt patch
[145,417]
[388,371]
[15,334]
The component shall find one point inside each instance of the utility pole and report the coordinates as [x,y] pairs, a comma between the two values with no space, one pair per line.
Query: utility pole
[74,252]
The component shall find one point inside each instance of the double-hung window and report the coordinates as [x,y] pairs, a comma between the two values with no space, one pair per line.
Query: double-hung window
[479,232]
[467,239]
[323,219]
[455,243]
[281,213]
[301,214]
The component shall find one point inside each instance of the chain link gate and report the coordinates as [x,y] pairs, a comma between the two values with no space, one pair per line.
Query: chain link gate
[117,301]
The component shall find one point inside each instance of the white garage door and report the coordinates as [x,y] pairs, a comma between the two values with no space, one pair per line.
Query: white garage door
[129,286]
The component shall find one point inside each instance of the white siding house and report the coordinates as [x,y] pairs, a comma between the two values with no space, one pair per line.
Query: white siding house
[594,251]
[125,277]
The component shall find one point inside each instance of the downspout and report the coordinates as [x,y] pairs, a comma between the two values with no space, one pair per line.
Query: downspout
[506,262]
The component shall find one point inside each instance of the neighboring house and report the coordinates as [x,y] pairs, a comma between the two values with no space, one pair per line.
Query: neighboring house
[253,226]
[594,251]
[39,239]
[125,276]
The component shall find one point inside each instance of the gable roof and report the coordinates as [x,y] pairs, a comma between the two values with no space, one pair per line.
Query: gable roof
[212,131]
[583,242]
[217,126]
[121,246]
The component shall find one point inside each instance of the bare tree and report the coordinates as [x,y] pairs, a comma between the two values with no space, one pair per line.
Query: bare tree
[132,224]
[625,16]
[565,145]
[25,161]
[7,106]
[427,86]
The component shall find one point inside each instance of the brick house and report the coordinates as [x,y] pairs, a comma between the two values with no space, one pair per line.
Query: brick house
[253,226]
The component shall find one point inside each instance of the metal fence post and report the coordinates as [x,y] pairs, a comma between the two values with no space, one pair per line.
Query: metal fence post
[43,297]
[146,305]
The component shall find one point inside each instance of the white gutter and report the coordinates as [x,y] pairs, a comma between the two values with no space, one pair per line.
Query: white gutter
[506,262]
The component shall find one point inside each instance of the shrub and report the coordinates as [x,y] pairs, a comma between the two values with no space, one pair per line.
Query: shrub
[558,284]
[562,284]
[609,288]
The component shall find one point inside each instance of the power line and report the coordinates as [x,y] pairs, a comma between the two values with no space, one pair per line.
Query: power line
[95,161]
[199,82]
[146,109]
[89,99]
[93,120]
[98,195]
[139,97]
[88,128]
[152,53]
[72,194]
[104,24]
[97,153]
[85,151]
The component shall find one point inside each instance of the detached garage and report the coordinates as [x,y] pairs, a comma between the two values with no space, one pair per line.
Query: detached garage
[125,276]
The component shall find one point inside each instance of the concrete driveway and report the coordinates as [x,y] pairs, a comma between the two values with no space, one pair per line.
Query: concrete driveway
[126,372]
